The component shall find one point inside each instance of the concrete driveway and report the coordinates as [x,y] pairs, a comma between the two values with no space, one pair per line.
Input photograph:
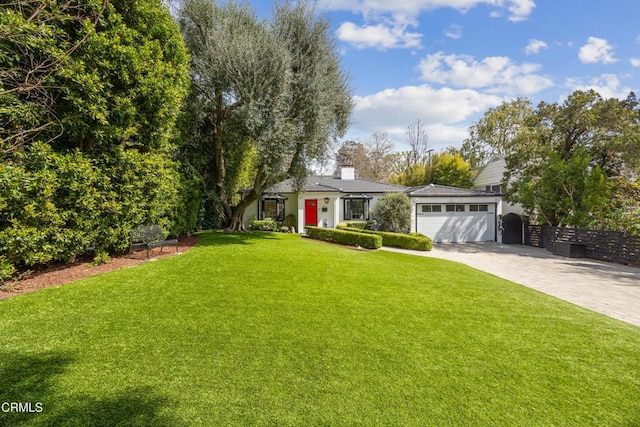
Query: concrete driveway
[609,289]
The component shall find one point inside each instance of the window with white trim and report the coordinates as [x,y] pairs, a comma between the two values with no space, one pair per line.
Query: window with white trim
[356,209]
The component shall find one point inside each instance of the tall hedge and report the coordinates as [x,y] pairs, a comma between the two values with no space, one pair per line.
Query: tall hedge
[89,95]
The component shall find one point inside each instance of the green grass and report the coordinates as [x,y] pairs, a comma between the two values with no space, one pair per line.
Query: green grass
[272,329]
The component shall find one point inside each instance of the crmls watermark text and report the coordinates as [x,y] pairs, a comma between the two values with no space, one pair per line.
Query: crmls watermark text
[21,407]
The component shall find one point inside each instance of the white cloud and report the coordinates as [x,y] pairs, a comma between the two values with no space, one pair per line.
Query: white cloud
[635,62]
[496,74]
[534,47]
[386,23]
[596,50]
[607,85]
[443,110]
[380,36]
[454,32]
[519,9]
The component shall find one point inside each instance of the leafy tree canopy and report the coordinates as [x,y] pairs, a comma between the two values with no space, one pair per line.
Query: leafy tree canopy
[89,95]
[271,90]
[571,163]
[443,169]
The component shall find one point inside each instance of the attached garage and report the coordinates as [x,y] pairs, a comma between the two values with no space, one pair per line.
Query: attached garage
[450,214]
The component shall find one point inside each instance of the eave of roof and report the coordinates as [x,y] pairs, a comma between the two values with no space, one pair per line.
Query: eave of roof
[434,190]
[317,184]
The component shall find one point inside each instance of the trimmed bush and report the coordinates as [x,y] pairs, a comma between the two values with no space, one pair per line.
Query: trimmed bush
[357,224]
[264,225]
[393,212]
[398,240]
[290,222]
[343,237]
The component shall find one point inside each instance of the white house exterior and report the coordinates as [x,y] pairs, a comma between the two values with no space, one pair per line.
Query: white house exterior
[451,214]
[324,201]
[446,214]
[490,177]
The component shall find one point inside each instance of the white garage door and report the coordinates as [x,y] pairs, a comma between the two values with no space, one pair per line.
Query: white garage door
[457,222]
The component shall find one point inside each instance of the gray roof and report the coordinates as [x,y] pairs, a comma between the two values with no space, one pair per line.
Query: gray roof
[434,190]
[332,184]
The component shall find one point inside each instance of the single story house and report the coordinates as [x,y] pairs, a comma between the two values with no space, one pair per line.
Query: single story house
[446,214]
[324,201]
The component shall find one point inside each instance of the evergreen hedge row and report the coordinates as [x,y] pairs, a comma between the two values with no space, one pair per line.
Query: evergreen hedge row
[398,240]
[54,206]
[343,237]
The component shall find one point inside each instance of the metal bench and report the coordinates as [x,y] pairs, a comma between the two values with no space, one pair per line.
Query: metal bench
[147,237]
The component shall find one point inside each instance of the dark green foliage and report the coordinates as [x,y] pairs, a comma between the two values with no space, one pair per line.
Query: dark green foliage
[413,241]
[55,205]
[357,224]
[393,212]
[343,237]
[49,206]
[567,163]
[89,97]
[264,225]
[290,221]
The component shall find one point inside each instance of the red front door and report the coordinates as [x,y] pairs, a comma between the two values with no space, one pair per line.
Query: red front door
[311,212]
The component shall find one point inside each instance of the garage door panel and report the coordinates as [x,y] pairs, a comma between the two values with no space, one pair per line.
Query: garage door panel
[457,226]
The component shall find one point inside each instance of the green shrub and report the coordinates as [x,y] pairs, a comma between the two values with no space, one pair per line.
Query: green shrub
[399,240]
[343,237]
[53,206]
[264,225]
[290,221]
[6,269]
[393,212]
[49,207]
[357,224]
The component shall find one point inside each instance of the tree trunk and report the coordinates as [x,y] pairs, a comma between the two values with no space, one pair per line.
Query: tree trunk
[219,162]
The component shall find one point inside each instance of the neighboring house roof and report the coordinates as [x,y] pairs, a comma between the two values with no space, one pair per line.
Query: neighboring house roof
[335,184]
[434,190]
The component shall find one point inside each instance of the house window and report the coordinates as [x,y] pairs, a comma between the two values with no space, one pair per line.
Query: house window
[356,209]
[455,208]
[494,188]
[478,208]
[273,209]
[431,208]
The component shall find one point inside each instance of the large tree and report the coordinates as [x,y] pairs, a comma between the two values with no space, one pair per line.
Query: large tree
[371,159]
[442,169]
[271,96]
[566,162]
[89,94]
[91,74]
[495,132]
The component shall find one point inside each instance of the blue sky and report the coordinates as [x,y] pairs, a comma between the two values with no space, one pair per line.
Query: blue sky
[447,61]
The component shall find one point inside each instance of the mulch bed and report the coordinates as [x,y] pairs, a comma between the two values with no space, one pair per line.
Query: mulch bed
[60,274]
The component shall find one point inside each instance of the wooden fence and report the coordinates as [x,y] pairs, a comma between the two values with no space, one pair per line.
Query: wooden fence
[613,246]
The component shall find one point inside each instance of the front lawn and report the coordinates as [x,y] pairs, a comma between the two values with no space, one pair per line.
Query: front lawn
[273,329]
